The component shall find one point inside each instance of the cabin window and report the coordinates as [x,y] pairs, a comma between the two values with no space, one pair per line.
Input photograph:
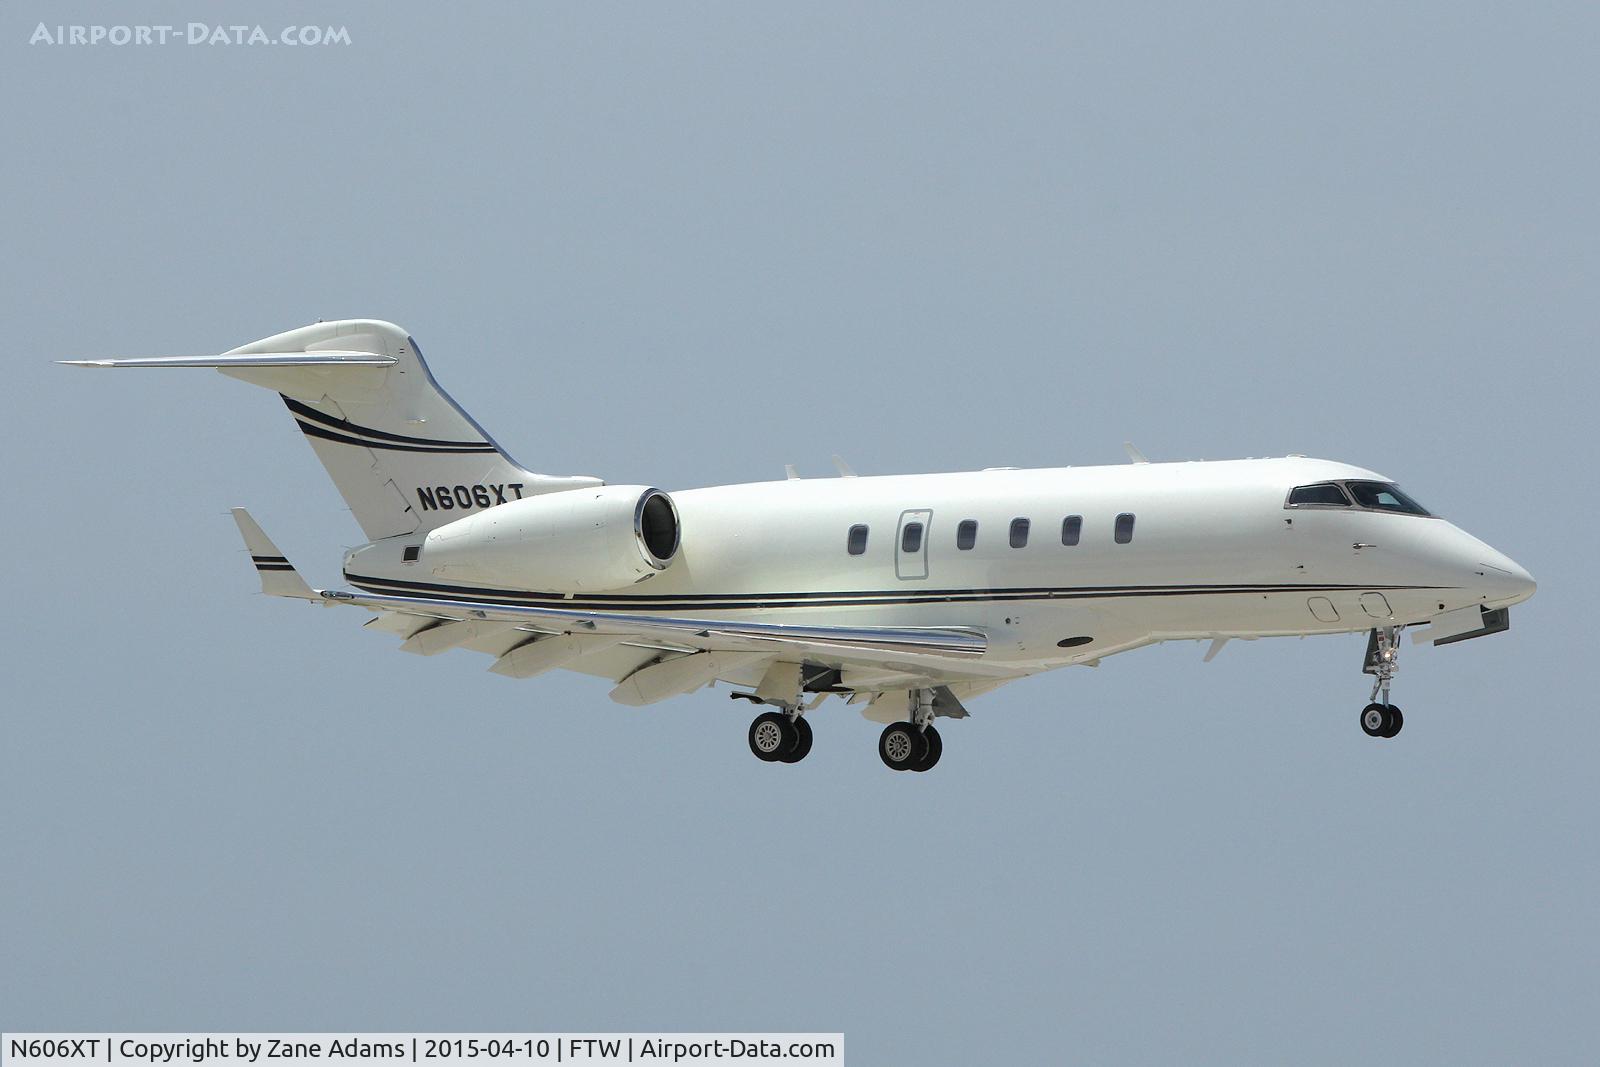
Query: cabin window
[1124,528]
[856,543]
[1323,494]
[1019,532]
[1071,529]
[911,538]
[967,534]
[1382,496]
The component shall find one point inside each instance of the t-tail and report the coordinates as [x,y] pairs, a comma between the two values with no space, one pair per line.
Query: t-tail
[401,452]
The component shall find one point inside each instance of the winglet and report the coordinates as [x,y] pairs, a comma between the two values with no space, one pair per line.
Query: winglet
[278,576]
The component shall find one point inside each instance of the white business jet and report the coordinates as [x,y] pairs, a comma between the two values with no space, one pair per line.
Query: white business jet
[907,595]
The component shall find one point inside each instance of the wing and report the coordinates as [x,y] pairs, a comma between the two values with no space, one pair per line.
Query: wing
[650,657]
[247,361]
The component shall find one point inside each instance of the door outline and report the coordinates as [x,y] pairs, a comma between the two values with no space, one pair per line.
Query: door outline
[912,566]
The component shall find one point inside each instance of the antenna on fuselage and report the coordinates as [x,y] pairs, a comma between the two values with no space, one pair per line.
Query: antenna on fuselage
[843,468]
[1134,455]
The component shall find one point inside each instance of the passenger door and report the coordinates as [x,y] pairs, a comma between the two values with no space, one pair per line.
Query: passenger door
[911,544]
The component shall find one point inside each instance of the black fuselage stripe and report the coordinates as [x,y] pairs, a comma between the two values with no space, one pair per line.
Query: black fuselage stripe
[305,411]
[313,430]
[840,598]
[903,591]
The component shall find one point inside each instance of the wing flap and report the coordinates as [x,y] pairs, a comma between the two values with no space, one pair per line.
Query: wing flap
[401,625]
[536,656]
[678,675]
[443,636]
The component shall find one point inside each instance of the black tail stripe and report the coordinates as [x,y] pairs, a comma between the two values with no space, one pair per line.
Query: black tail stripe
[312,430]
[274,567]
[270,559]
[305,411]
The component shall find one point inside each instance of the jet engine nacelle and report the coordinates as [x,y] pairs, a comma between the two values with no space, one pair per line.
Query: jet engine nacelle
[576,541]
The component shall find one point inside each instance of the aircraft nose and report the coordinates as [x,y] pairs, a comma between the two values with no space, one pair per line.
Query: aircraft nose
[1506,581]
[1487,575]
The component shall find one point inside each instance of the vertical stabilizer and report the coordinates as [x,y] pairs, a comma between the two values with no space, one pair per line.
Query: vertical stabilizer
[401,452]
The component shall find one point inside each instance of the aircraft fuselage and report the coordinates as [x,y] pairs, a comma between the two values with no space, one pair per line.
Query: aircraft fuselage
[1206,549]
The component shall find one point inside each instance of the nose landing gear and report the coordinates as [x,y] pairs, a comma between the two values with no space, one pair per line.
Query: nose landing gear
[1381,718]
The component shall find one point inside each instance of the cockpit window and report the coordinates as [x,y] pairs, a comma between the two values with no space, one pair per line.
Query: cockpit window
[1327,494]
[1381,496]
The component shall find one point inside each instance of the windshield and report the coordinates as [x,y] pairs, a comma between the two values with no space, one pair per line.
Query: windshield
[1325,494]
[1382,496]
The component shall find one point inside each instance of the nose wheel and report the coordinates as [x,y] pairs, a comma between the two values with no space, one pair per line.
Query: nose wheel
[1380,718]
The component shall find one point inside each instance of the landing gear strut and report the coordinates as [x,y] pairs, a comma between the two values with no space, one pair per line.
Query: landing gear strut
[1380,718]
[913,745]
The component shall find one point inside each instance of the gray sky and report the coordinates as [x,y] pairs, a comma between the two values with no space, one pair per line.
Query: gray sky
[683,245]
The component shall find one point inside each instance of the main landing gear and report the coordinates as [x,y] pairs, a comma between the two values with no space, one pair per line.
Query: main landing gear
[784,735]
[1381,718]
[914,745]
[780,736]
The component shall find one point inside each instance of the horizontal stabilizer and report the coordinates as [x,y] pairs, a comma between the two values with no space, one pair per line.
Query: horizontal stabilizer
[251,359]
[278,576]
